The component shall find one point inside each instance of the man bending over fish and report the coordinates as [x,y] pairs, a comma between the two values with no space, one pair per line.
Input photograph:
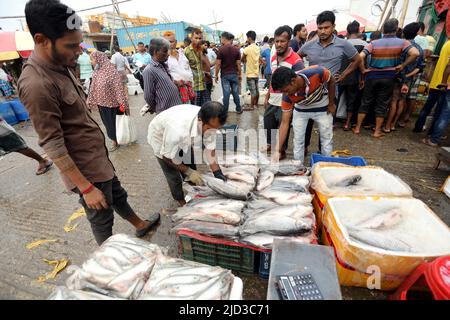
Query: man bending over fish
[307,94]
[172,135]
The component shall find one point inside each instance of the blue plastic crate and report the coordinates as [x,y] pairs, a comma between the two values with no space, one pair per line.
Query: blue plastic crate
[350,161]
[7,113]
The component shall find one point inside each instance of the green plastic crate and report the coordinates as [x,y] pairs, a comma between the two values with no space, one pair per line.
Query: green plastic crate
[228,257]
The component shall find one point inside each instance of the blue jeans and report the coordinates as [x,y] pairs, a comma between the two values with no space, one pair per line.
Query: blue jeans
[434,97]
[441,120]
[300,123]
[230,85]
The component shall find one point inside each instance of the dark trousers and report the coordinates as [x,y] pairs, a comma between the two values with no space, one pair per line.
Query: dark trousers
[108,116]
[435,97]
[202,97]
[102,221]
[272,121]
[377,96]
[175,178]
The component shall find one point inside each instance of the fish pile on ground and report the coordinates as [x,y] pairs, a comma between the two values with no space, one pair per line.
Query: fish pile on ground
[128,268]
[257,203]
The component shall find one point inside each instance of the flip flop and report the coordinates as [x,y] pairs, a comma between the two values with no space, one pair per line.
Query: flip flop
[354,131]
[154,219]
[429,143]
[386,131]
[379,137]
[45,169]
[346,128]
[114,148]
[402,125]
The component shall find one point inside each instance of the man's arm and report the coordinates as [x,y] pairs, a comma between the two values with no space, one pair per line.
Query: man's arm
[284,128]
[355,64]
[244,58]
[217,69]
[239,67]
[413,54]
[180,167]
[46,116]
[332,96]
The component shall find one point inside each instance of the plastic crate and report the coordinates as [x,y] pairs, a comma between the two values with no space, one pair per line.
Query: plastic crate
[217,252]
[350,161]
[227,139]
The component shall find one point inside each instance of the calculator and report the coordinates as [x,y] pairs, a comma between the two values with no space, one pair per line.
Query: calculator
[298,287]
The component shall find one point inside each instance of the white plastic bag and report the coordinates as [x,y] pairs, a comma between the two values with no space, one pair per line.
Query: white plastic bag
[342,107]
[125,130]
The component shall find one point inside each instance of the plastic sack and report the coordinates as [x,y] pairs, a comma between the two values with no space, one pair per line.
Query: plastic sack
[335,179]
[176,279]
[119,268]
[126,131]
[341,112]
[360,262]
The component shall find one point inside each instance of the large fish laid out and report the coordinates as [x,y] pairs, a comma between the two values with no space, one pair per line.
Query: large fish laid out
[229,189]
[293,181]
[287,168]
[176,279]
[349,181]
[212,214]
[217,203]
[379,239]
[119,268]
[282,221]
[246,174]
[232,160]
[265,241]
[385,220]
[199,191]
[265,179]
[286,196]
[219,230]
[179,279]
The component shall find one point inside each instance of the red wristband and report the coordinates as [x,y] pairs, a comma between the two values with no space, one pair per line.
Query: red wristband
[89,189]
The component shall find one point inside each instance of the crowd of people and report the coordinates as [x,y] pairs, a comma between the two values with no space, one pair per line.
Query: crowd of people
[308,76]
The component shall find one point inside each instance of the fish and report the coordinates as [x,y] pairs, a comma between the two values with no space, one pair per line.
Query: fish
[285,196]
[175,279]
[209,228]
[207,215]
[119,268]
[378,240]
[265,241]
[237,160]
[265,179]
[382,221]
[241,175]
[296,181]
[229,189]
[349,181]
[217,203]
[287,168]
[282,221]
[252,170]
[199,191]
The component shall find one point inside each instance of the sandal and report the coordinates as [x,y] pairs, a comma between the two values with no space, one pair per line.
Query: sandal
[114,148]
[346,128]
[386,130]
[42,170]
[429,143]
[154,219]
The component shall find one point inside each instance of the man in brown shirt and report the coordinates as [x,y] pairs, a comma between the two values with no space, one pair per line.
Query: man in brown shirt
[67,132]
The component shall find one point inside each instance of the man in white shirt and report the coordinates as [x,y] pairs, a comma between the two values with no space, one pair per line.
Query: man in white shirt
[122,66]
[175,132]
[179,68]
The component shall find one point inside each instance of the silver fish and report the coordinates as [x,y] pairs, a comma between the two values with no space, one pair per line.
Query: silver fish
[378,240]
[265,241]
[296,181]
[241,175]
[252,170]
[350,181]
[180,279]
[287,168]
[199,191]
[286,197]
[229,189]
[209,228]
[217,203]
[383,221]
[282,221]
[238,159]
[207,215]
[265,179]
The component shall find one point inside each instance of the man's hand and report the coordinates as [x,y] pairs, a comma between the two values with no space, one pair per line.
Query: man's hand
[399,68]
[332,108]
[276,156]
[339,76]
[95,200]
[442,86]
[195,177]
[362,84]
[219,175]
[405,89]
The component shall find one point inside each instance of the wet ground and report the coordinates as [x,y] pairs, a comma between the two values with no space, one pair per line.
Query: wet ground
[33,208]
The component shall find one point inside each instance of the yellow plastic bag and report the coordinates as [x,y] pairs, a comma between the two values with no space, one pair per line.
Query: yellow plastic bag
[77,214]
[37,243]
[58,266]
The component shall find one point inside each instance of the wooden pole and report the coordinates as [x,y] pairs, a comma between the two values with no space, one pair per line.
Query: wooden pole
[404,12]
[380,24]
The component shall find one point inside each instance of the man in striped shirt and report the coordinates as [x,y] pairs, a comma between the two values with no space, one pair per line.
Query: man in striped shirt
[311,92]
[160,92]
[283,57]
[384,67]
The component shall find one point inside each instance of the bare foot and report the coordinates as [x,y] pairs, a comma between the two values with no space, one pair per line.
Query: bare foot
[428,142]
[356,131]
[378,135]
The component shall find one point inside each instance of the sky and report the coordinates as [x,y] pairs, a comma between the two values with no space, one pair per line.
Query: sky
[238,16]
